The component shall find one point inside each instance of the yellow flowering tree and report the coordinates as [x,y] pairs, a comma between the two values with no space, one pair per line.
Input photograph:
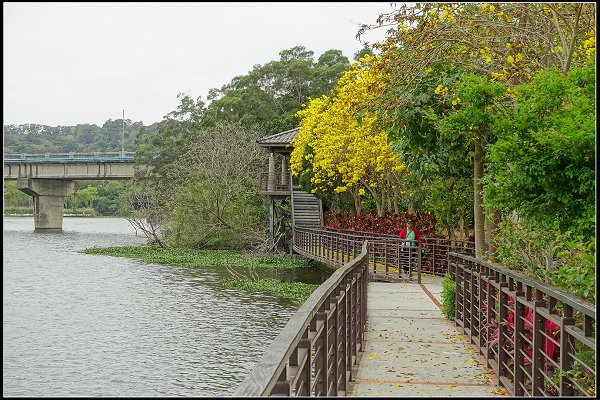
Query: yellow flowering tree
[339,146]
[510,43]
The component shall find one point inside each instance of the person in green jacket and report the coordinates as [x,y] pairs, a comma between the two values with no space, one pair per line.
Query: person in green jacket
[412,238]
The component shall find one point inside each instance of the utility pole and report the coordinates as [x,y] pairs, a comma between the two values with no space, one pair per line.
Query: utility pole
[123,137]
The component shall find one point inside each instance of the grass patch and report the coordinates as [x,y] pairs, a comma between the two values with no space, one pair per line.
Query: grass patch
[199,258]
[296,291]
[448,296]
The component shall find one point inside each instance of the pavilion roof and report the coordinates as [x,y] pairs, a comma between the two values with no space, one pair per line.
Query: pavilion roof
[280,140]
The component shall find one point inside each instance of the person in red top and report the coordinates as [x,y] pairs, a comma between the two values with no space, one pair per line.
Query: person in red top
[409,253]
[411,233]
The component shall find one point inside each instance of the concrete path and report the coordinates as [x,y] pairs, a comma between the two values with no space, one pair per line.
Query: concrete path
[413,351]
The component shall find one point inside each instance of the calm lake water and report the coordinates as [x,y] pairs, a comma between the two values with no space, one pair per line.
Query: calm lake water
[91,325]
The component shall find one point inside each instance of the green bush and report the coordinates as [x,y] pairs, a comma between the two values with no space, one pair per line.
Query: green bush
[574,266]
[81,212]
[448,296]
[523,247]
[15,210]
[564,260]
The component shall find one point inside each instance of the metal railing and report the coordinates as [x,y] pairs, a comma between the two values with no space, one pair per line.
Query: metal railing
[127,156]
[539,340]
[435,250]
[314,353]
[390,257]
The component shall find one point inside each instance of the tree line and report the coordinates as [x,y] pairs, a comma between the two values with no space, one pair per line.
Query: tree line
[81,138]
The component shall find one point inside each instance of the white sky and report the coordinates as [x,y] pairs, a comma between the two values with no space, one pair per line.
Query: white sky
[71,63]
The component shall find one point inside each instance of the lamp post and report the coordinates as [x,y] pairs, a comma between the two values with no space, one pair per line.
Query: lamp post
[123,137]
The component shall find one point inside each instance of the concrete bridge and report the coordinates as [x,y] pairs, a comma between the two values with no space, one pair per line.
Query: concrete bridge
[49,178]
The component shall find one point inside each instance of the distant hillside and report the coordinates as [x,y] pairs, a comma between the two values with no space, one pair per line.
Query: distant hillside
[82,138]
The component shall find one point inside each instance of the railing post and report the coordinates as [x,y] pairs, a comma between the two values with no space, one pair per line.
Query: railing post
[433,260]
[398,262]
[352,323]
[342,344]
[566,344]
[519,364]
[537,359]
[418,265]
[472,310]
[305,379]
[271,178]
[321,248]
[321,356]
[385,258]
[491,302]
[282,387]
[503,315]
[458,290]
[337,345]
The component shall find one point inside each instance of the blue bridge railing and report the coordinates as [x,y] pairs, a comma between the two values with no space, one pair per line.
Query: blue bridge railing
[69,157]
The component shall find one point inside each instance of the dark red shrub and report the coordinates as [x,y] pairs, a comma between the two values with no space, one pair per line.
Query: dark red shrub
[388,223]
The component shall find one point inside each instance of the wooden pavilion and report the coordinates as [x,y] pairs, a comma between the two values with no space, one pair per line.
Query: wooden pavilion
[288,205]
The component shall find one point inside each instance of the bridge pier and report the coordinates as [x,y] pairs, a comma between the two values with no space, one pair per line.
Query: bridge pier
[48,200]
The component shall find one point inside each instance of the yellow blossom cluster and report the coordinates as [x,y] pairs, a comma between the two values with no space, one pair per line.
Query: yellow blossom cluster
[589,43]
[349,152]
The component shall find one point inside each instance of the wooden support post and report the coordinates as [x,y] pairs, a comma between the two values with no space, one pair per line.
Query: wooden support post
[271,222]
[271,180]
[285,173]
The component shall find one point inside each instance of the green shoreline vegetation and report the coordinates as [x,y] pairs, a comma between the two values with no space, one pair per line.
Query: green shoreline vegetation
[230,261]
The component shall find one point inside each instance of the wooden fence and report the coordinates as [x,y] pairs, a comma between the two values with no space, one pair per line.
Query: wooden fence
[539,340]
[388,257]
[314,353]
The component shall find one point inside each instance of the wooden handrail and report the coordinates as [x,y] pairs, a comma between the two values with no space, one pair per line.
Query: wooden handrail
[538,339]
[314,353]
[496,307]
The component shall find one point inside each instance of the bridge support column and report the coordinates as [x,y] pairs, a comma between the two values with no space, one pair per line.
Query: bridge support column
[48,200]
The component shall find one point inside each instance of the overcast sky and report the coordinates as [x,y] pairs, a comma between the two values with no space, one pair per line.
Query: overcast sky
[72,63]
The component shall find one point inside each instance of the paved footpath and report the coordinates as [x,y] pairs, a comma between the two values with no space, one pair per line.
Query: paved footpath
[412,350]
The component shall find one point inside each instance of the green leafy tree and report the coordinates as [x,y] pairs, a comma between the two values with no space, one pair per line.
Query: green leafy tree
[437,165]
[270,95]
[112,198]
[478,103]
[219,206]
[13,197]
[83,197]
[507,42]
[543,163]
[365,51]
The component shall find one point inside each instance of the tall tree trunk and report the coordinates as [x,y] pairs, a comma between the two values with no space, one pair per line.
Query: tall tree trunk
[450,210]
[449,224]
[395,201]
[411,205]
[465,226]
[357,205]
[478,200]
[492,222]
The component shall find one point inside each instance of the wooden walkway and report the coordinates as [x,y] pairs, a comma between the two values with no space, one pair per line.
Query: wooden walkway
[413,351]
